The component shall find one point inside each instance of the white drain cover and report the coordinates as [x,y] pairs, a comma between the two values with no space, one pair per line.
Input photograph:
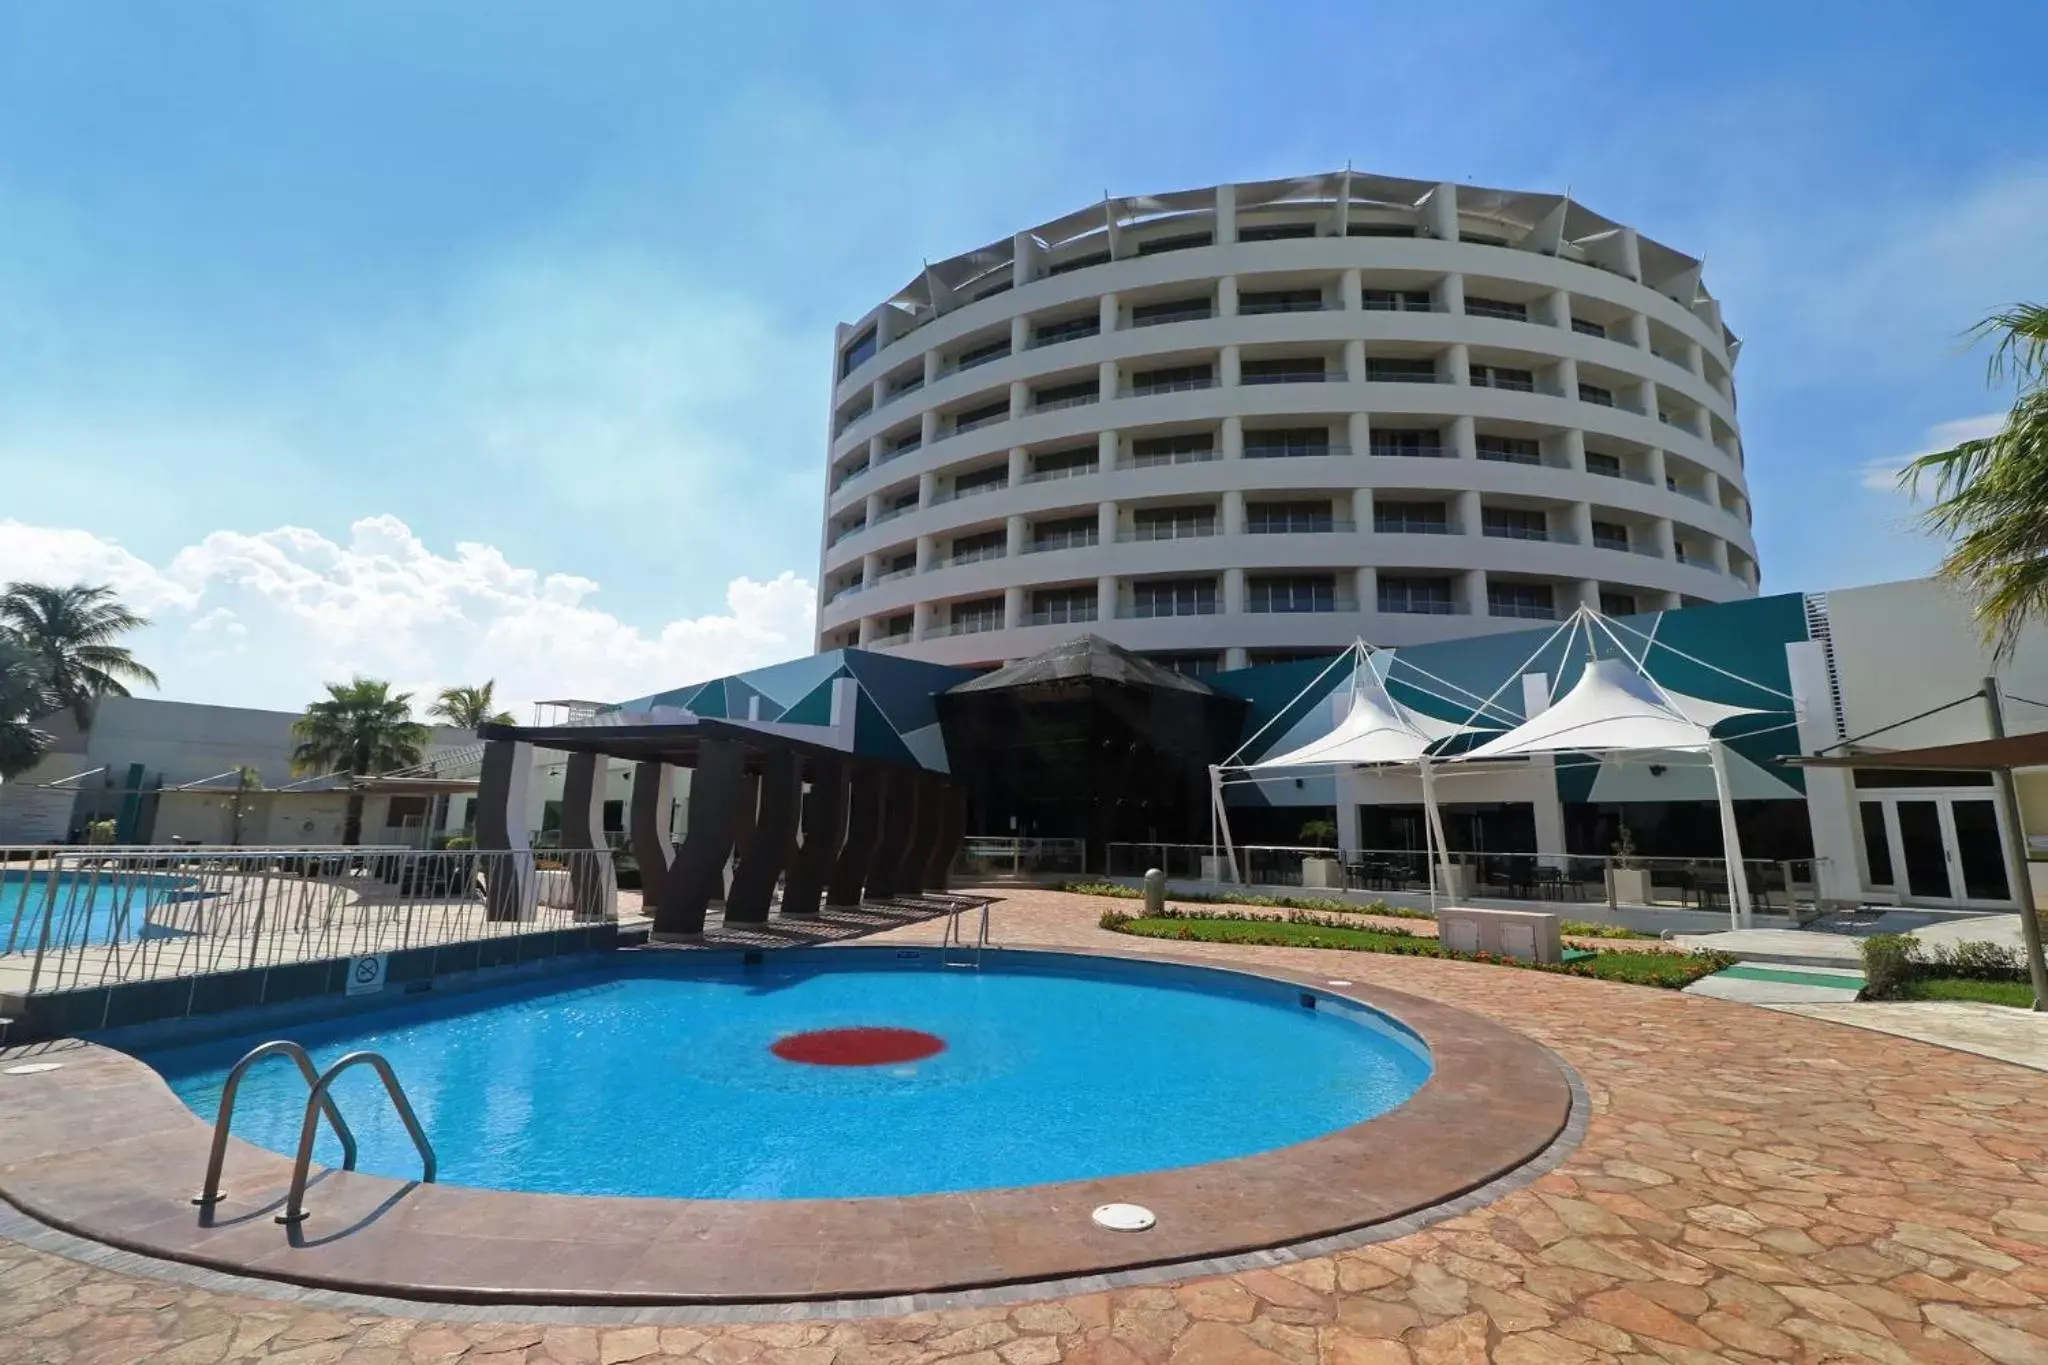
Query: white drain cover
[1336,983]
[1125,1217]
[33,1068]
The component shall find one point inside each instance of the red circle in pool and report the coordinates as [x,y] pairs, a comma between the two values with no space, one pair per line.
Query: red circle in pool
[857,1046]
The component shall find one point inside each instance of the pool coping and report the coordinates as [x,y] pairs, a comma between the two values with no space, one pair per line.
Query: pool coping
[1495,1101]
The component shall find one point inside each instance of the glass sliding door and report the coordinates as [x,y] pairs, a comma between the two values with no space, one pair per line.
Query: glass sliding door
[1979,850]
[1877,844]
[1923,850]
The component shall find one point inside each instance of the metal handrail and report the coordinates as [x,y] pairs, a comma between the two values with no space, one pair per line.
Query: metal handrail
[294,1205]
[209,1192]
[951,937]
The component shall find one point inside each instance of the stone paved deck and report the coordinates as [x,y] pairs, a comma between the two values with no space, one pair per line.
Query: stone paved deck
[1753,1186]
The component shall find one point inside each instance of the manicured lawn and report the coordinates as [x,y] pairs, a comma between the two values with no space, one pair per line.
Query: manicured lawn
[2018,994]
[1669,970]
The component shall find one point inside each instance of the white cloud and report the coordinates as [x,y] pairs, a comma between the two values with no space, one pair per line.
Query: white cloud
[265,619]
[1882,475]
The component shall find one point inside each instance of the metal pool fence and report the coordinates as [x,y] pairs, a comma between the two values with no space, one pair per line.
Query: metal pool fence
[82,917]
[1776,886]
[1002,857]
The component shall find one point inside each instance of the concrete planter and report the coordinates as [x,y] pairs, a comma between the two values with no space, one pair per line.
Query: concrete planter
[1324,874]
[1628,885]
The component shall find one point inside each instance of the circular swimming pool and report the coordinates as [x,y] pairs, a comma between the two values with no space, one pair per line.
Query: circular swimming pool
[835,1073]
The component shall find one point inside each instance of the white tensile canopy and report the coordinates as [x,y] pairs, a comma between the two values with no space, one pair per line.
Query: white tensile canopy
[1376,732]
[1617,707]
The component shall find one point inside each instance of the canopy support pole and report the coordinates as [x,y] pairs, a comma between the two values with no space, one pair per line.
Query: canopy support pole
[1739,916]
[1222,822]
[1433,834]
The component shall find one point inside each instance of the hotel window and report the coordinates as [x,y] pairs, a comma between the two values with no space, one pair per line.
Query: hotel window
[1397,300]
[1067,533]
[1593,393]
[1174,597]
[1173,310]
[1173,379]
[1073,329]
[1504,377]
[1078,263]
[1610,535]
[1287,443]
[1514,523]
[896,625]
[1617,604]
[1411,518]
[1173,523]
[1064,464]
[857,353]
[1482,239]
[1397,441]
[1189,665]
[1067,395]
[1185,448]
[982,355]
[967,419]
[1288,370]
[1509,449]
[1409,596]
[1378,230]
[905,443]
[1531,600]
[992,290]
[1280,301]
[1287,518]
[1274,232]
[970,618]
[1598,462]
[906,383]
[1588,329]
[1290,593]
[1399,370]
[981,480]
[902,563]
[1180,242]
[985,545]
[1059,606]
[1496,308]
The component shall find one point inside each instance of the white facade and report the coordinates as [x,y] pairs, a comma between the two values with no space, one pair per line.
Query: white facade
[1252,420]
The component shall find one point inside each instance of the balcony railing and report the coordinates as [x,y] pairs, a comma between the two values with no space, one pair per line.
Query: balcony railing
[1091,329]
[1074,471]
[1299,605]
[839,594]
[1293,377]
[893,575]
[1415,528]
[1295,450]
[1079,400]
[1419,452]
[972,490]
[1190,314]
[974,556]
[1376,375]
[1154,459]
[1167,386]
[1168,531]
[1147,608]
[973,625]
[1281,306]
[1621,543]
[1530,457]
[1423,606]
[1499,532]
[897,452]
[1625,474]
[1061,616]
[962,428]
[1525,611]
[1053,543]
[845,531]
[901,637]
[1319,526]
[888,514]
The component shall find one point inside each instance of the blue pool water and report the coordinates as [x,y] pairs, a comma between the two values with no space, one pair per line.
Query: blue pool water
[84,907]
[653,1075]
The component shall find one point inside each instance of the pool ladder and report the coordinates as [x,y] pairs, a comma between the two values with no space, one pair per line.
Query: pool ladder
[953,938]
[318,1102]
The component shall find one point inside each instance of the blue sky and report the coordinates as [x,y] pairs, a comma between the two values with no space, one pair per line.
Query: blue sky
[463,339]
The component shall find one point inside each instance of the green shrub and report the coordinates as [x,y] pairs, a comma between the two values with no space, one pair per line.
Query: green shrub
[1890,961]
[1976,960]
[1580,928]
[1324,904]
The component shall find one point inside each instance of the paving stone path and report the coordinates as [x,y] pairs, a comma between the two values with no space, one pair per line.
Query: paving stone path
[1754,1186]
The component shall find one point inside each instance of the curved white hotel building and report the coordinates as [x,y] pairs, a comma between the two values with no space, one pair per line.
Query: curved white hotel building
[1239,424]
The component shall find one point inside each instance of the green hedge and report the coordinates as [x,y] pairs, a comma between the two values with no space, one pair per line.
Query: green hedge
[1321,904]
[1670,970]
[1901,967]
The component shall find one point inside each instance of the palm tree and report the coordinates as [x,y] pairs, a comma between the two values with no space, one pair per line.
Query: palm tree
[468,707]
[359,728]
[71,632]
[1991,495]
[24,695]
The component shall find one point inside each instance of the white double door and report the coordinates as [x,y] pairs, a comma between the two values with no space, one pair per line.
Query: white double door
[1935,848]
